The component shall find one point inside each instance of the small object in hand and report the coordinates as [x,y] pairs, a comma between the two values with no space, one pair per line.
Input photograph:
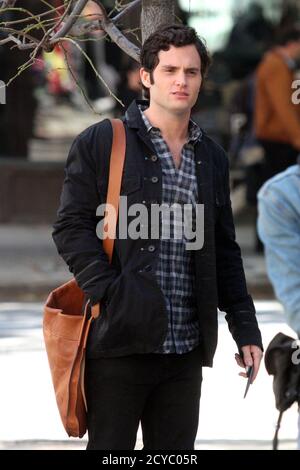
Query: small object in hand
[249,372]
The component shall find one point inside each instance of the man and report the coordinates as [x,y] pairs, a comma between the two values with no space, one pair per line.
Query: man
[279,229]
[277,116]
[158,322]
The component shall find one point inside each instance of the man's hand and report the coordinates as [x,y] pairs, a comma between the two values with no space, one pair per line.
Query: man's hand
[252,355]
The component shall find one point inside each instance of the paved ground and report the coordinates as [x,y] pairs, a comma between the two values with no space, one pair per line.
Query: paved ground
[29,418]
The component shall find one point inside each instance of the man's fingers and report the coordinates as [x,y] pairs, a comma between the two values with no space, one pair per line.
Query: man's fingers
[256,359]
[239,360]
[243,374]
[252,356]
[247,357]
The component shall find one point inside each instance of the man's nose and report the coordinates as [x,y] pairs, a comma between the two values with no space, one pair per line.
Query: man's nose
[181,79]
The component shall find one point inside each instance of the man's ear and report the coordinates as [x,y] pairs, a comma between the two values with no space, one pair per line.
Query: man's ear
[145,77]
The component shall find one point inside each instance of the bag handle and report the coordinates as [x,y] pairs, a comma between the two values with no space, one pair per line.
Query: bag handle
[116,165]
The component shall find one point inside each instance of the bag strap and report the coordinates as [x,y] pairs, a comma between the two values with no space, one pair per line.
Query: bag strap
[275,439]
[116,165]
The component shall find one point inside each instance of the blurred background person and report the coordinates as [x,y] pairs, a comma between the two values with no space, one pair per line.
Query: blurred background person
[17,116]
[277,117]
[279,230]
[130,87]
[251,35]
[245,150]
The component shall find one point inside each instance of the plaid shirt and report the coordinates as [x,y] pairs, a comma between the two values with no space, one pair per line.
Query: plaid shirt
[175,270]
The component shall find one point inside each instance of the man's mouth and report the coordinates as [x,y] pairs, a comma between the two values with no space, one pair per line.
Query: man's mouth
[180,94]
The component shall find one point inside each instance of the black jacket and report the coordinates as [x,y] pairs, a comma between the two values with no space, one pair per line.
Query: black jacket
[133,315]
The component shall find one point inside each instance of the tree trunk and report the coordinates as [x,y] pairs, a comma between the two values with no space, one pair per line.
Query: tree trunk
[154,14]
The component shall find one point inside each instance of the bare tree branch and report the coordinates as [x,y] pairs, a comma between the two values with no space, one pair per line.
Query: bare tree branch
[71,20]
[40,15]
[34,42]
[105,23]
[82,91]
[93,67]
[126,10]
[127,46]
[31,16]
[7,3]
[115,34]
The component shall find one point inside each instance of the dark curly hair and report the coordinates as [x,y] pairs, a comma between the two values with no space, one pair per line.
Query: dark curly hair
[177,35]
[288,35]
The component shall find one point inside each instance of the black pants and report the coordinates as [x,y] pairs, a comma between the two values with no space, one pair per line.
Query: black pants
[162,391]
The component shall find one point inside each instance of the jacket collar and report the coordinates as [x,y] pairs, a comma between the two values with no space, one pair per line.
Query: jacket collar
[133,116]
[135,120]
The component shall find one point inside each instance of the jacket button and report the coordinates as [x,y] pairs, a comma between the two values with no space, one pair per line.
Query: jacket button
[151,248]
[154,158]
[154,179]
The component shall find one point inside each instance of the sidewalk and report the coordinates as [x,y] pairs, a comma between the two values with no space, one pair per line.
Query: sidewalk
[30,420]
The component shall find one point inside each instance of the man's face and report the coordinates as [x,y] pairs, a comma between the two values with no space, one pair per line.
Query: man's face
[176,79]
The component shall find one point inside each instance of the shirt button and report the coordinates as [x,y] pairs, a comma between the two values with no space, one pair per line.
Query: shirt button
[151,248]
[154,158]
[154,179]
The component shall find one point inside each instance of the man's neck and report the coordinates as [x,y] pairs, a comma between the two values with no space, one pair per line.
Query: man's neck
[173,127]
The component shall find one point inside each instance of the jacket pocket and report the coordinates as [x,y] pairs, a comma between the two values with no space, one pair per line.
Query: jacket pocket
[135,316]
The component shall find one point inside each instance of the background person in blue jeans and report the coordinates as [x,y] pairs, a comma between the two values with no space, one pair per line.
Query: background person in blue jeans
[279,230]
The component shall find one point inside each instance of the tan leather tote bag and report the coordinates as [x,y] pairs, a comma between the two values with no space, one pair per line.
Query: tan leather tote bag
[67,320]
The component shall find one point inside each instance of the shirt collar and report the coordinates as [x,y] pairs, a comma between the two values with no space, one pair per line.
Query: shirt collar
[194,130]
